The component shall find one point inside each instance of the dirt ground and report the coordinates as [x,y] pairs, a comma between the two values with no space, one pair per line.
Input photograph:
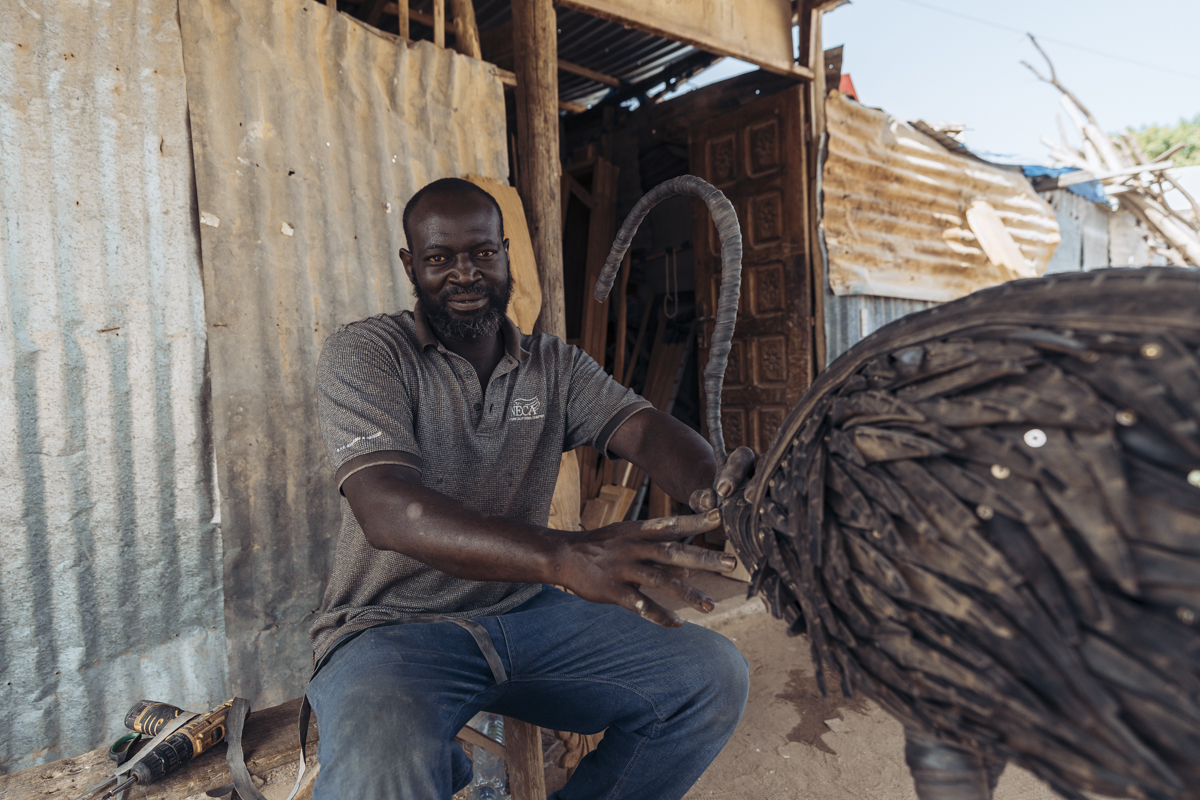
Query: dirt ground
[791,743]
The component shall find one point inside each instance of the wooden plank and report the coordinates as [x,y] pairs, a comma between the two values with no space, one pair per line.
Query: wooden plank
[378,7]
[269,741]
[466,31]
[611,505]
[590,74]
[565,505]
[439,23]
[535,52]
[622,319]
[758,31]
[602,227]
[526,778]
[526,301]
[636,355]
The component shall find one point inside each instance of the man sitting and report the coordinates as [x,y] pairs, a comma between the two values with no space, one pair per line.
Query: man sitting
[445,428]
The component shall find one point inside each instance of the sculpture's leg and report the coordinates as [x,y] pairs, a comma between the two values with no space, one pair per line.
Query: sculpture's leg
[944,771]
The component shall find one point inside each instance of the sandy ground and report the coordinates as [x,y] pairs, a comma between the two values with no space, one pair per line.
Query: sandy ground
[791,743]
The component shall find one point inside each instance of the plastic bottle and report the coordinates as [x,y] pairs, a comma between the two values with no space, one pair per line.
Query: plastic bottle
[490,781]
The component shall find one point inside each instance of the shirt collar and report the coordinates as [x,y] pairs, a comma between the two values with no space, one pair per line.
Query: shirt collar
[512,336]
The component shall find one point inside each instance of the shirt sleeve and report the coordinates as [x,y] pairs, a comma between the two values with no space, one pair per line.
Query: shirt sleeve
[364,405]
[596,404]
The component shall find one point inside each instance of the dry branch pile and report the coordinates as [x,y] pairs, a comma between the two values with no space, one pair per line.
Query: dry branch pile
[986,516]
[1137,182]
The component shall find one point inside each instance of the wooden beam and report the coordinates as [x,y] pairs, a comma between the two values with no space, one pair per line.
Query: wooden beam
[671,21]
[523,746]
[622,319]
[378,8]
[590,74]
[439,23]
[466,31]
[535,52]
[509,79]
[402,24]
[602,227]
[269,740]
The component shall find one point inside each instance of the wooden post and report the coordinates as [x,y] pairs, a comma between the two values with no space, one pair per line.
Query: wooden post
[535,52]
[816,99]
[523,754]
[439,22]
[466,32]
[402,14]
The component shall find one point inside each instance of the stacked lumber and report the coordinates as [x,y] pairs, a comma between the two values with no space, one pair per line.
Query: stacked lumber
[1137,182]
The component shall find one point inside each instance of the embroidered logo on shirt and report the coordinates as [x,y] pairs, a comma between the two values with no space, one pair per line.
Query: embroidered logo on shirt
[526,409]
[358,439]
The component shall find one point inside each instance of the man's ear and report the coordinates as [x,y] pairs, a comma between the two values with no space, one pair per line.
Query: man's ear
[407,259]
[506,245]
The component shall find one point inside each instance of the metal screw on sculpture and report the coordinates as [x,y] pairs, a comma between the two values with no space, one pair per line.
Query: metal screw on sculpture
[1006,600]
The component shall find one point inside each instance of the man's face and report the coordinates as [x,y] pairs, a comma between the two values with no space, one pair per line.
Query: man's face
[458,265]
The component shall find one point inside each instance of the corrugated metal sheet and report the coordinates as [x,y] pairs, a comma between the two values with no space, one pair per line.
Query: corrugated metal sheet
[1084,228]
[310,132]
[897,205]
[851,318]
[110,579]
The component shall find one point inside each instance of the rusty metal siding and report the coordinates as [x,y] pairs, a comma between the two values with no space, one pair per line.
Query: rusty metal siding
[898,211]
[110,580]
[310,132]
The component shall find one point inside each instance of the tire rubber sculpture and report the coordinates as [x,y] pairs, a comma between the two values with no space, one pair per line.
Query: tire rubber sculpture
[986,518]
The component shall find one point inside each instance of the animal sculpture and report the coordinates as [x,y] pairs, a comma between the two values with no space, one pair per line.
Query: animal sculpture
[986,518]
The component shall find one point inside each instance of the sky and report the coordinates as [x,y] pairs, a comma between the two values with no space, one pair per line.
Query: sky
[1131,63]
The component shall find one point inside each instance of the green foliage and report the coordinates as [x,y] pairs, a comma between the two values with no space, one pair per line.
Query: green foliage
[1156,139]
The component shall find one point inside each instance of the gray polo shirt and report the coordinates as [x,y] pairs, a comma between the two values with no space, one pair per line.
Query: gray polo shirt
[388,392]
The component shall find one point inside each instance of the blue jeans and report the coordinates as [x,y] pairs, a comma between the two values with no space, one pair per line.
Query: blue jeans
[390,701]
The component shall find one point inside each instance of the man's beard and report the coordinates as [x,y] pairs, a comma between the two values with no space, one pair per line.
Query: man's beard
[483,323]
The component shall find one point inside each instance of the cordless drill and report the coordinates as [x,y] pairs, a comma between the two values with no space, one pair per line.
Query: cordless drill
[189,741]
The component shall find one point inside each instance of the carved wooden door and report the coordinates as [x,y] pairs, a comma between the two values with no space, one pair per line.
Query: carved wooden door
[756,156]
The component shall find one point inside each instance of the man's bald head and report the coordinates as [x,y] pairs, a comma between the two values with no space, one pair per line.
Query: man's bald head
[449,187]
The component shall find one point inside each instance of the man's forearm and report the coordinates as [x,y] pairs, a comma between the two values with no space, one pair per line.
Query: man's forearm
[397,513]
[672,454]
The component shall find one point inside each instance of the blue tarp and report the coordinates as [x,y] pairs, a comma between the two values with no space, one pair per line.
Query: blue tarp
[1091,190]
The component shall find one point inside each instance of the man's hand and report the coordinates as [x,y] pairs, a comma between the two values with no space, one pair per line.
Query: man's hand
[732,475]
[611,564]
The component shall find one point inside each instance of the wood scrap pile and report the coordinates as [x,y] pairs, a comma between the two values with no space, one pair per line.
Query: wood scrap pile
[1135,181]
[986,517]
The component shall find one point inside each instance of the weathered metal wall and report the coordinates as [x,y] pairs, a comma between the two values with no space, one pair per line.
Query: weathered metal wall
[851,318]
[903,216]
[1084,228]
[110,578]
[310,132]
